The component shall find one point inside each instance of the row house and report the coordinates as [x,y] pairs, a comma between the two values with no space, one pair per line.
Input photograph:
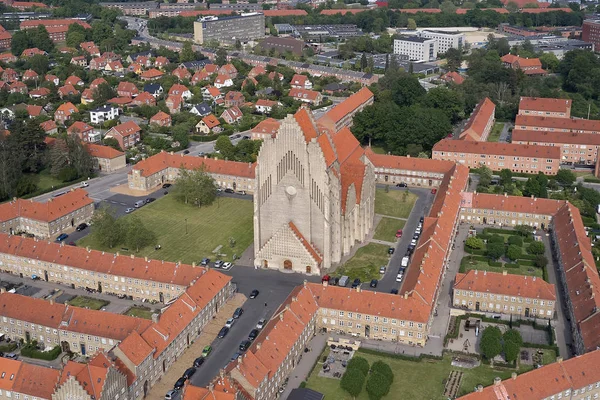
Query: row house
[128,134]
[575,148]
[57,28]
[135,277]
[545,107]
[164,167]
[480,123]
[519,158]
[23,380]
[343,113]
[44,220]
[106,159]
[503,293]
[306,96]
[556,124]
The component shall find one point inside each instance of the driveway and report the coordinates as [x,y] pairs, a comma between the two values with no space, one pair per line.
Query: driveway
[504,135]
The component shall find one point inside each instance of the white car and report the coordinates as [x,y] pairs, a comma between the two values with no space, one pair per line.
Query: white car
[218,264]
[129,210]
[413,242]
[229,323]
[85,184]
[399,278]
[226,266]
[261,323]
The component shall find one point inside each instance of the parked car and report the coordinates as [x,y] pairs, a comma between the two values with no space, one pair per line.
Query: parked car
[433,191]
[171,394]
[129,210]
[382,269]
[81,227]
[218,264]
[261,323]
[373,283]
[394,291]
[226,266]
[206,351]
[253,334]
[198,362]
[413,242]
[421,219]
[325,278]
[336,281]
[188,373]
[222,333]
[356,283]
[235,356]
[391,250]
[244,345]
[12,356]
[205,261]
[62,237]
[253,294]
[139,203]
[399,277]
[150,200]
[401,185]
[35,277]
[186,152]
[238,312]
[179,384]
[229,190]
[166,185]
[229,323]
[84,184]
[399,233]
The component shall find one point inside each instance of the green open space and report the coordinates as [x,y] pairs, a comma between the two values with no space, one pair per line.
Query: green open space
[496,131]
[365,263]
[45,181]
[207,228]
[422,379]
[140,312]
[468,263]
[378,150]
[88,302]
[395,203]
[387,228]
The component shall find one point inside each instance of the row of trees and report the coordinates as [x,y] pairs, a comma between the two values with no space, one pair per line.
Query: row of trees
[110,231]
[380,378]
[493,343]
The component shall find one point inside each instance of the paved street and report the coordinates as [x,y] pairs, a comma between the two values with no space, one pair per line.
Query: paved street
[504,135]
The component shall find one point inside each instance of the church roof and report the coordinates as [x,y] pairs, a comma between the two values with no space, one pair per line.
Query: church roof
[305,121]
[315,255]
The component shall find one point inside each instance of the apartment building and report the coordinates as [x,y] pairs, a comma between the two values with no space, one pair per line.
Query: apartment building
[164,167]
[573,379]
[135,277]
[446,40]
[575,148]
[554,124]
[128,134]
[341,116]
[26,380]
[45,220]
[545,107]
[519,295]
[497,156]
[591,32]
[133,8]
[106,158]
[5,39]
[480,123]
[245,27]
[416,48]
[57,28]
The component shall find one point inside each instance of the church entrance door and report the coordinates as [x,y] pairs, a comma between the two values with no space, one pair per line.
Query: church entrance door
[287,264]
[308,269]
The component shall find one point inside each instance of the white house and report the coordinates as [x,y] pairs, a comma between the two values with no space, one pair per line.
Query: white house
[104,113]
[222,81]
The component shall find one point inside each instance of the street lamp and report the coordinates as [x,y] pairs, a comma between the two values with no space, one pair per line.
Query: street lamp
[186,226]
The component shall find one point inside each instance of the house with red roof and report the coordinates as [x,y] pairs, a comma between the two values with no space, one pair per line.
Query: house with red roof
[151,75]
[128,134]
[49,127]
[453,77]
[530,66]
[17,87]
[222,81]
[232,115]
[545,107]
[480,123]
[228,69]
[144,98]
[199,76]
[84,132]
[67,90]
[234,98]
[30,75]
[52,79]
[306,96]
[90,48]
[80,61]
[98,63]
[174,103]
[114,66]
[161,62]
[64,111]
[265,129]
[161,119]
[106,159]
[127,89]
[181,73]
[301,82]
[207,125]
[342,114]
[39,93]
[28,53]
[10,75]
[265,106]
[211,93]
[180,90]
[74,80]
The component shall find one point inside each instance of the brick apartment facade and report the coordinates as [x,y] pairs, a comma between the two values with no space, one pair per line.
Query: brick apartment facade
[480,123]
[519,295]
[545,107]
[575,148]
[497,156]
[551,124]
[46,220]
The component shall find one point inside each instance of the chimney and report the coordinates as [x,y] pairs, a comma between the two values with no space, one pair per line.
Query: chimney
[505,194]
[194,264]
[305,281]
[484,272]
[513,376]
[146,258]
[51,302]
[325,283]
[88,248]
[117,254]
[258,345]
[479,388]
[132,256]
[2,290]
[497,381]
[155,318]
[504,272]
[559,359]
[211,387]
[358,289]
[405,295]
[281,316]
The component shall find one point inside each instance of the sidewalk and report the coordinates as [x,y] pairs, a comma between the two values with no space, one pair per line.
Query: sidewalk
[186,360]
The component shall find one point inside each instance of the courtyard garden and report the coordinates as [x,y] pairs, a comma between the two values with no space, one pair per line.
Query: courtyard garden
[413,378]
[140,312]
[365,263]
[88,302]
[498,250]
[394,203]
[496,131]
[387,228]
[187,233]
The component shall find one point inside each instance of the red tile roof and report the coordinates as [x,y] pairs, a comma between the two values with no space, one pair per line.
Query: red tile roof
[299,94]
[475,127]
[496,148]
[135,348]
[533,137]
[79,127]
[269,126]
[408,163]
[151,73]
[211,121]
[545,105]
[51,210]
[160,116]
[126,129]
[99,151]
[508,285]
[164,160]
[284,13]
[500,202]
[36,381]
[347,106]
[8,371]
[545,10]
[306,123]
[557,123]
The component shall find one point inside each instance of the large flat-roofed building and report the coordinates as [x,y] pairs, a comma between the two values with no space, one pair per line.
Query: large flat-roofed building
[497,156]
[44,220]
[244,27]
[417,48]
[445,40]
[132,8]
[519,295]
[576,148]
[545,107]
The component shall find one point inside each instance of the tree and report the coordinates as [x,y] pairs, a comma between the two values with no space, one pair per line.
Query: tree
[513,252]
[516,240]
[490,344]
[39,63]
[221,58]
[28,139]
[238,44]
[19,42]
[494,250]
[512,7]
[524,230]
[485,176]
[111,142]
[536,248]
[453,59]
[137,235]
[224,146]
[384,369]
[352,381]
[565,177]
[540,261]
[451,102]
[512,344]
[549,61]
[40,38]
[195,187]
[74,39]
[10,168]
[187,53]
[363,62]
[411,24]
[378,386]
[448,7]
[103,93]
[474,243]
[106,228]
[359,363]
[505,176]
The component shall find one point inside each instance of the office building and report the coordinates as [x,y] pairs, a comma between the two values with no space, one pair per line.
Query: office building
[591,32]
[445,40]
[245,27]
[417,48]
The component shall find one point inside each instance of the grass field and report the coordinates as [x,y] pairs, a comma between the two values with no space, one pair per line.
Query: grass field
[395,203]
[88,302]
[484,266]
[387,228]
[46,181]
[412,379]
[207,228]
[365,263]
[495,133]
[378,150]
[140,312]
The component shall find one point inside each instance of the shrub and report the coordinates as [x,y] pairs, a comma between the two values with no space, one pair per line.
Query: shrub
[527,263]
[31,351]
[513,252]
[516,240]
[536,248]
[353,381]
[474,243]
[490,344]
[494,263]
[496,239]
[9,347]
[495,250]
[383,369]
[514,266]
[359,363]
[378,386]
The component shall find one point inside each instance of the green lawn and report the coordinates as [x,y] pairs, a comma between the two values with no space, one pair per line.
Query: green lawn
[365,263]
[484,266]
[47,181]
[495,133]
[387,228]
[378,150]
[207,228]
[395,203]
[88,302]
[140,312]
[412,379]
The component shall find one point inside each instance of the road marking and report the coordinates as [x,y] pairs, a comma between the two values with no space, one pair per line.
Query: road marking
[123,204]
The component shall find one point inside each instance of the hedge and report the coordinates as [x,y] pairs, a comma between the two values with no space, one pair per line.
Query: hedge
[479,252]
[209,138]
[32,352]
[527,263]
[591,180]
[542,346]
[500,231]
[545,274]
[527,257]
[509,265]
[494,263]
[7,348]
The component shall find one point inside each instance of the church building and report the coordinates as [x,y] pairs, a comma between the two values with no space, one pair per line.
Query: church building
[314,197]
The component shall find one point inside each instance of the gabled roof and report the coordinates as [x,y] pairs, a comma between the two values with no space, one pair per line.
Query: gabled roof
[126,129]
[348,106]
[51,210]
[475,127]
[211,121]
[151,73]
[36,381]
[546,105]
[497,148]
[160,116]
[505,284]
[100,151]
